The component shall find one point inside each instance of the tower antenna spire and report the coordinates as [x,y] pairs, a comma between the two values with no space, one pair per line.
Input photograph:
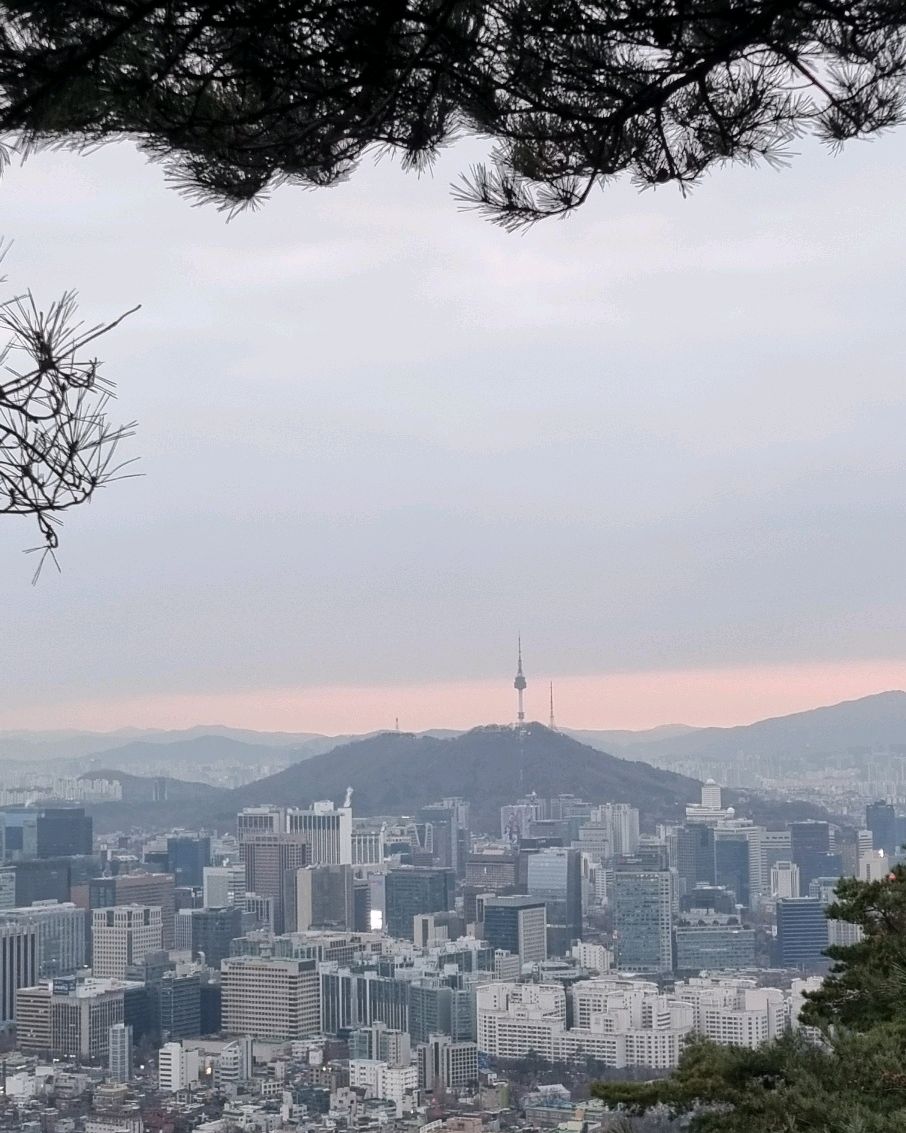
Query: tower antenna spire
[519,685]
[552,723]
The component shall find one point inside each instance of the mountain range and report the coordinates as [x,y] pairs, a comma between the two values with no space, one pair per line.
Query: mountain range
[396,773]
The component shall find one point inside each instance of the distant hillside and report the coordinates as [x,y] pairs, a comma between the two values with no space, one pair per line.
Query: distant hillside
[396,773]
[872,721]
[188,753]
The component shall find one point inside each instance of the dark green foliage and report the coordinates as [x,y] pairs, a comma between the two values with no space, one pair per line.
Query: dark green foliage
[851,1081]
[238,95]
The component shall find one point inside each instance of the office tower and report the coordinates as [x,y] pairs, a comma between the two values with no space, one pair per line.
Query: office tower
[430,1008]
[653,852]
[623,821]
[121,935]
[70,1018]
[319,897]
[7,887]
[776,846]
[119,1052]
[519,925]
[207,933]
[187,857]
[713,947]
[810,844]
[361,904]
[63,831]
[785,880]
[211,1005]
[177,1069]
[881,820]
[711,795]
[694,856]
[43,879]
[731,863]
[555,876]
[61,935]
[270,998]
[327,830]
[268,850]
[153,889]
[642,902]
[446,1065]
[175,1005]
[18,833]
[368,846]
[18,963]
[223,885]
[380,1042]
[260,911]
[801,931]
[409,890]
[448,837]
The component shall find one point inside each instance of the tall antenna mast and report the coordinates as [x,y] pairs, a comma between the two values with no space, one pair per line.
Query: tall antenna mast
[551,723]
[519,685]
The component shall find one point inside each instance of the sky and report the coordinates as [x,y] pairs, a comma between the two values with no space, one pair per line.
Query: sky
[378,437]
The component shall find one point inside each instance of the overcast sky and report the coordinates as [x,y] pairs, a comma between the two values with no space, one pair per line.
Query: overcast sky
[665,439]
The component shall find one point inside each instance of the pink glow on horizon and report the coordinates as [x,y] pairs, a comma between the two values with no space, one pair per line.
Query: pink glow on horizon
[638,700]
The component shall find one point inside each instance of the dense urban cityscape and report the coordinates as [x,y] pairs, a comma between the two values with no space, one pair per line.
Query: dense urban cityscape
[313,969]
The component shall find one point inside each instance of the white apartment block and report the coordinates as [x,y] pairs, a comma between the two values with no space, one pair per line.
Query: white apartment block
[622,1023]
[735,1012]
[270,998]
[398,1084]
[122,935]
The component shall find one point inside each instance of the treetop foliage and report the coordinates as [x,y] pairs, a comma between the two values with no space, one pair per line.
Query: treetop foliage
[238,96]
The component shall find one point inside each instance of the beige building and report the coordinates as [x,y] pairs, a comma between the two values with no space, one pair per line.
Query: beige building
[69,1017]
[123,935]
[270,998]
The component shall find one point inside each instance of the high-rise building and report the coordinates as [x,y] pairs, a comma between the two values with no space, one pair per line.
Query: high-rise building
[623,821]
[694,856]
[153,889]
[410,890]
[177,1068]
[448,835]
[121,936]
[270,998]
[69,1017]
[555,876]
[187,856]
[378,1041]
[447,1065]
[61,935]
[881,820]
[43,879]
[207,933]
[175,1005]
[785,880]
[223,885]
[810,844]
[18,963]
[63,831]
[517,924]
[801,931]
[319,897]
[268,850]
[642,904]
[731,863]
[327,830]
[119,1052]
[713,947]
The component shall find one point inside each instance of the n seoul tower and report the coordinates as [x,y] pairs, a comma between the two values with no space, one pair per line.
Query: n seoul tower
[519,685]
